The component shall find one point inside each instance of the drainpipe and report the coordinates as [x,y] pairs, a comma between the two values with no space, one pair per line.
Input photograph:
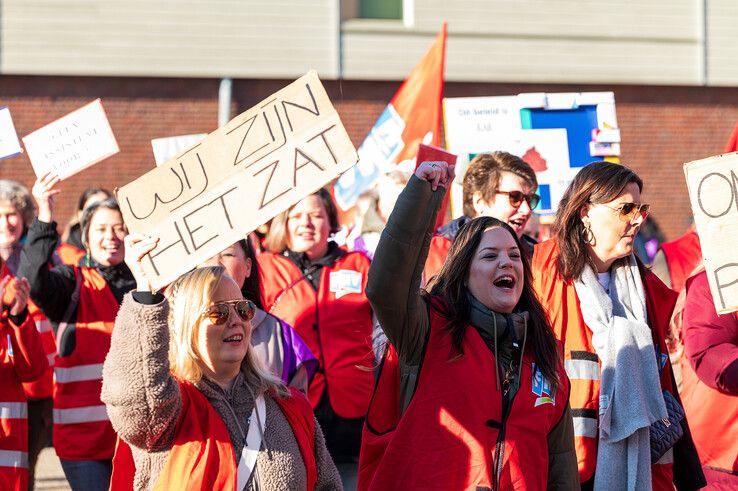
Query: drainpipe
[224,101]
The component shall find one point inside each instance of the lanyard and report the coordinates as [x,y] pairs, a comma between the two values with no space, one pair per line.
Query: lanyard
[247,462]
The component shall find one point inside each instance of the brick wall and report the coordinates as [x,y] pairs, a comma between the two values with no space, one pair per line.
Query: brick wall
[662,127]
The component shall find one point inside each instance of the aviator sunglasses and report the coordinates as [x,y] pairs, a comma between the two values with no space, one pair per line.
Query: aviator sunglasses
[628,211]
[220,312]
[516,198]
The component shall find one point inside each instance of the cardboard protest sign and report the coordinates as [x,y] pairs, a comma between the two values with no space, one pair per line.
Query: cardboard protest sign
[9,144]
[713,193]
[166,149]
[72,143]
[240,176]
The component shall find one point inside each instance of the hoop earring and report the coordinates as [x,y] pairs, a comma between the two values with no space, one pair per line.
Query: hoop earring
[587,235]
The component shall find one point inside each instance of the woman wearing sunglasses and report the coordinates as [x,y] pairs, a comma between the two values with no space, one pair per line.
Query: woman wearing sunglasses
[193,406]
[275,343]
[499,185]
[612,314]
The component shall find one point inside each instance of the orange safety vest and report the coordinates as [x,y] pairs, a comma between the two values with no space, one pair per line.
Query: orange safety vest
[82,430]
[437,253]
[683,255]
[713,418]
[453,434]
[202,455]
[41,388]
[335,322]
[69,254]
[13,408]
[560,300]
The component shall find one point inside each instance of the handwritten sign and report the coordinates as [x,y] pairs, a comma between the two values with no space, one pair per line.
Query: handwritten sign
[243,174]
[167,148]
[72,143]
[713,193]
[9,144]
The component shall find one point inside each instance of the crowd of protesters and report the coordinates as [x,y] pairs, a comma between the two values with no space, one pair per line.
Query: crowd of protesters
[378,354]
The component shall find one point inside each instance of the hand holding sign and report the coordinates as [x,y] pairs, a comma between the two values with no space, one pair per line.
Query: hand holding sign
[44,192]
[137,246]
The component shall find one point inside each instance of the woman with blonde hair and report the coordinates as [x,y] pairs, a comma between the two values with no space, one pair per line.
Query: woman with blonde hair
[192,405]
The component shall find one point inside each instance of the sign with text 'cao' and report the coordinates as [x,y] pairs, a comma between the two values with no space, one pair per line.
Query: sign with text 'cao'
[713,193]
[237,178]
[72,143]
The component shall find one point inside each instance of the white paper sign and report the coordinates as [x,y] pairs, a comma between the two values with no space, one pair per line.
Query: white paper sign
[167,148]
[713,194]
[72,143]
[9,144]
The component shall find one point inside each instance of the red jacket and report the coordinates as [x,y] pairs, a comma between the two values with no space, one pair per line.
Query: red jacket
[683,255]
[21,360]
[335,322]
[202,454]
[710,395]
[453,434]
[40,388]
[82,430]
[560,300]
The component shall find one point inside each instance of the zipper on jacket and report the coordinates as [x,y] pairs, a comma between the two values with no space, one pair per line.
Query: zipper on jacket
[507,402]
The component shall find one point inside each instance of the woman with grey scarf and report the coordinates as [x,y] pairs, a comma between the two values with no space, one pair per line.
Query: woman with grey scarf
[611,314]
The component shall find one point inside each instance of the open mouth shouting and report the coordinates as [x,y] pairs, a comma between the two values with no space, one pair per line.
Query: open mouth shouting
[505,282]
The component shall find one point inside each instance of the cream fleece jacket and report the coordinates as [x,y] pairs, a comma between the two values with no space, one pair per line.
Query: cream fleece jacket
[144,402]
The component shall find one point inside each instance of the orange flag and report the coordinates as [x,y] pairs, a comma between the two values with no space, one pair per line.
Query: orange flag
[413,116]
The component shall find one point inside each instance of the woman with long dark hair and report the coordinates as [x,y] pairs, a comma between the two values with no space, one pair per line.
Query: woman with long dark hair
[611,314]
[472,392]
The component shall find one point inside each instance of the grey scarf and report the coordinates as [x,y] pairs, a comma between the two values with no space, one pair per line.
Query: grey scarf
[630,393]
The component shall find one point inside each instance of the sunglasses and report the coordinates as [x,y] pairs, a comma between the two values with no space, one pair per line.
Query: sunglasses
[220,312]
[628,211]
[516,198]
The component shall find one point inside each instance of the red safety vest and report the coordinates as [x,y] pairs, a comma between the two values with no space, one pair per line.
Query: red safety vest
[560,300]
[712,416]
[41,388]
[202,454]
[453,431]
[683,255]
[82,430]
[437,253]
[335,322]
[13,409]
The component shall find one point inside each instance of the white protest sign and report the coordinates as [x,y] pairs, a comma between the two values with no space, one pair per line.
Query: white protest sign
[72,143]
[9,144]
[240,176]
[167,148]
[713,193]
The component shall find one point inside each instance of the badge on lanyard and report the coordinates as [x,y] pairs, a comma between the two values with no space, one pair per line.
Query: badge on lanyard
[345,281]
[10,347]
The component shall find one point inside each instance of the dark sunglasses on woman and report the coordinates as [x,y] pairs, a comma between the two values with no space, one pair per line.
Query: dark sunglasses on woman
[516,198]
[220,312]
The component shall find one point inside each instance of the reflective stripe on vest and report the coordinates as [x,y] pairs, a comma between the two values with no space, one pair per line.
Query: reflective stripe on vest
[11,458]
[79,373]
[585,422]
[77,415]
[582,370]
[13,410]
[43,326]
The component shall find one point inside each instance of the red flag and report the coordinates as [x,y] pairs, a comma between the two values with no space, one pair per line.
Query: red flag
[732,144]
[413,116]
